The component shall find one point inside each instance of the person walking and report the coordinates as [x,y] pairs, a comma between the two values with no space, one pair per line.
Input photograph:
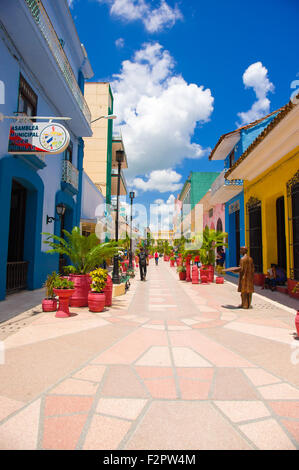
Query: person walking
[246,276]
[156,258]
[142,263]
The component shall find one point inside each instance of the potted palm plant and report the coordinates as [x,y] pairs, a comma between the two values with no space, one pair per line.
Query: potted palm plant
[49,303]
[96,297]
[64,289]
[210,241]
[85,254]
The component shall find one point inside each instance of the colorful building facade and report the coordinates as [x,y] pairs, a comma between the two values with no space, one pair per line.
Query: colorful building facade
[190,219]
[270,170]
[230,148]
[33,186]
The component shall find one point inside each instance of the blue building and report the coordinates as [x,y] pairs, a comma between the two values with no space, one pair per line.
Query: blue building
[229,148]
[43,69]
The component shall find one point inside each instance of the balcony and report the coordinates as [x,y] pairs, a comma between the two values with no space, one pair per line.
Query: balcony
[223,190]
[38,45]
[69,178]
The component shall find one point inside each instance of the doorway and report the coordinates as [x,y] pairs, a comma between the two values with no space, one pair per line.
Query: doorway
[16,278]
[255,236]
[281,236]
[237,232]
[295,224]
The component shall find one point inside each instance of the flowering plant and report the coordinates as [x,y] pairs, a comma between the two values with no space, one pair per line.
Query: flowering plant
[99,279]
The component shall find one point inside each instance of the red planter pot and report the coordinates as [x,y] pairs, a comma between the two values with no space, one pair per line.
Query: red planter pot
[210,273]
[182,276]
[64,298]
[172,263]
[204,276]
[108,291]
[49,305]
[188,273]
[195,276]
[96,301]
[219,280]
[291,284]
[259,279]
[82,284]
[297,323]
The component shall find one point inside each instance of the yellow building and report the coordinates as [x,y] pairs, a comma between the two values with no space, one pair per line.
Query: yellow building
[100,149]
[270,170]
[163,235]
[100,153]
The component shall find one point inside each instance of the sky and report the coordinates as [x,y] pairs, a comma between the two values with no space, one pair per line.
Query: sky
[185,72]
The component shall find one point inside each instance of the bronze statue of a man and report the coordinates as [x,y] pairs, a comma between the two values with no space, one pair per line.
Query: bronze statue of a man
[246,276]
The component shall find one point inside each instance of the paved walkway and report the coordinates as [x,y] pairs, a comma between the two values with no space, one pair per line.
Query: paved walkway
[171,366]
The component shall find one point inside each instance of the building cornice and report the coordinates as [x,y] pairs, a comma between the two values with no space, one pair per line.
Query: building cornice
[280,116]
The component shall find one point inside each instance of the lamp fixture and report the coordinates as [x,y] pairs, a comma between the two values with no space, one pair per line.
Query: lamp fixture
[119,155]
[60,211]
[108,116]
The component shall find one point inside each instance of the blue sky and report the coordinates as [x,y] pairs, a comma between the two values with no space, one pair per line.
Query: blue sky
[183,85]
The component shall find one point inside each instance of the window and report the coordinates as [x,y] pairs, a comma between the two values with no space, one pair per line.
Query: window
[68,153]
[232,158]
[27,103]
[255,233]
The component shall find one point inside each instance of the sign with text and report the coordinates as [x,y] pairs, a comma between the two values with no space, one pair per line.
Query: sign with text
[27,137]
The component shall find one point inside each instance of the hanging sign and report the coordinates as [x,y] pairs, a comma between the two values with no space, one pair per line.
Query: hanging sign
[30,138]
[234,207]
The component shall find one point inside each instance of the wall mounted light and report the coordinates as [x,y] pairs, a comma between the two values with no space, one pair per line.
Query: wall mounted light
[60,211]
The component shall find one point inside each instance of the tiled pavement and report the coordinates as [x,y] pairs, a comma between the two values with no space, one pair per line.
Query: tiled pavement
[170,366]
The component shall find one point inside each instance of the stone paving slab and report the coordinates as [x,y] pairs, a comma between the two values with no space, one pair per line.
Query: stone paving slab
[169,366]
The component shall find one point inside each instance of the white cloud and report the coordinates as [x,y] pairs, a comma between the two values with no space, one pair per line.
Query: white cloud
[120,42]
[160,180]
[256,77]
[158,111]
[154,19]
[162,214]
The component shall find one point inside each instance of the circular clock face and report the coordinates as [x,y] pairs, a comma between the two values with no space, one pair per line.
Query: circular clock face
[53,138]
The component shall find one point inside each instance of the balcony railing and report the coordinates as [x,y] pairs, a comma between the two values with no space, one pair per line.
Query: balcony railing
[70,174]
[47,30]
[220,181]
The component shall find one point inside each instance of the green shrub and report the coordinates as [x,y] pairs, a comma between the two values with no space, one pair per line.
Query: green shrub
[62,283]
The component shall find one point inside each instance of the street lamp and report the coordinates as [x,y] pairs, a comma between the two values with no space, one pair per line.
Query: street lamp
[120,155]
[131,195]
[109,116]
[60,211]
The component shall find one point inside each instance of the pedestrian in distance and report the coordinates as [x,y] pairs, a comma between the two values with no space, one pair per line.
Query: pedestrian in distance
[142,263]
[156,258]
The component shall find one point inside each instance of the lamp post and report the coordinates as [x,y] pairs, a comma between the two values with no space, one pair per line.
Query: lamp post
[119,158]
[131,195]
